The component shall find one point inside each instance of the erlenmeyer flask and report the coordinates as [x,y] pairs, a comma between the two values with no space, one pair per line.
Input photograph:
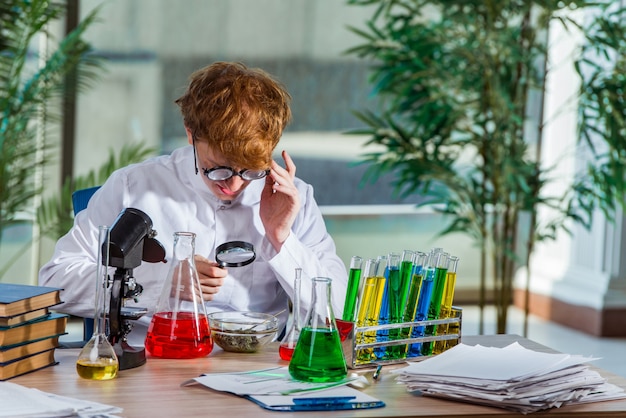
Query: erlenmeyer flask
[97,360]
[289,341]
[318,356]
[179,327]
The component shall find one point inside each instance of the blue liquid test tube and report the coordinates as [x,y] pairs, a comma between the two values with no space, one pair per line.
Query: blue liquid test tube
[423,303]
[392,280]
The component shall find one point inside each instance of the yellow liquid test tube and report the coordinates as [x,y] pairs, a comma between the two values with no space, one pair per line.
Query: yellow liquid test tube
[366,304]
[446,303]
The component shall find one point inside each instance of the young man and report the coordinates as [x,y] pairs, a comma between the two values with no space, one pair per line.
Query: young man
[224,186]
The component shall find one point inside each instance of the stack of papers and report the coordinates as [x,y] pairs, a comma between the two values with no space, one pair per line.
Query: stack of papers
[512,377]
[22,402]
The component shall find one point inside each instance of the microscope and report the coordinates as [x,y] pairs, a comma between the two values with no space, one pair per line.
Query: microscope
[131,241]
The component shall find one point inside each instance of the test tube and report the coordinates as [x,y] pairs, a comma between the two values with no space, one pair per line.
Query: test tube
[366,303]
[441,273]
[406,272]
[410,306]
[390,289]
[423,303]
[352,292]
[368,274]
[446,303]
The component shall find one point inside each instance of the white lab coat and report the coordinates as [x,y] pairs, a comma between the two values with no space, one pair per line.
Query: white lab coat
[167,189]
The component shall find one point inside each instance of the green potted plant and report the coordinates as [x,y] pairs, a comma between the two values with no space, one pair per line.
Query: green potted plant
[456,80]
[26,90]
[27,84]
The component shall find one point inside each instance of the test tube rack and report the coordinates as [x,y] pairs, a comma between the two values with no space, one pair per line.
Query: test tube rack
[350,334]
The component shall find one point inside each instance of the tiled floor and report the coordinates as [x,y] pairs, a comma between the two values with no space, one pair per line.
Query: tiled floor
[566,340]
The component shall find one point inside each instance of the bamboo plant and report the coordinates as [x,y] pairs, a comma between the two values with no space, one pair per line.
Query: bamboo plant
[29,80]
[454,79]
[26,91]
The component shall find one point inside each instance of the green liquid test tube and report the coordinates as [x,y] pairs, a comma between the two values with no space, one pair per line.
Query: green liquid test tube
[398,303]
[441,272]
[352,292]
[397,300]
[410,306]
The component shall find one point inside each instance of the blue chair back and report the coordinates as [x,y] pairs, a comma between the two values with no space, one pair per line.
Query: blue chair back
[81,197]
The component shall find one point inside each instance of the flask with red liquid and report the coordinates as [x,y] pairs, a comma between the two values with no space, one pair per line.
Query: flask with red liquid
[179,327]
[289,341]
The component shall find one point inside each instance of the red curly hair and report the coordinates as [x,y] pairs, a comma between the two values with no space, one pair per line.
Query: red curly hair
[239,111]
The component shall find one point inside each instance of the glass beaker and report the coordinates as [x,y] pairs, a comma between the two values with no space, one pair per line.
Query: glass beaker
[318,356]
[290,340]
[179,327]
[97,360]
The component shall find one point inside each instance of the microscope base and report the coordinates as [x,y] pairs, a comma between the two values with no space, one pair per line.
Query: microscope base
[129,357]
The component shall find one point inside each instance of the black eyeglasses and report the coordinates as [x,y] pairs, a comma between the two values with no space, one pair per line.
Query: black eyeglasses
[224,173]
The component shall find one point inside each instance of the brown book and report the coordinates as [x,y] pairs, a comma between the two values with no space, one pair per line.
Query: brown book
[26,364]
[53,324]
[17,299]
[10,321]
[14,352]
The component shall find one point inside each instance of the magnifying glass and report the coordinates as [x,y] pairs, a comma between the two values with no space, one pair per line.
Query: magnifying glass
[235,254]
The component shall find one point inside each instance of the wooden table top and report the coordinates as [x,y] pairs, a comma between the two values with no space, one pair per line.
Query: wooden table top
[154,389]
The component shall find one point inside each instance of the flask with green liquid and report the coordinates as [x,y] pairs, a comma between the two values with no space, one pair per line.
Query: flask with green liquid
[318,356]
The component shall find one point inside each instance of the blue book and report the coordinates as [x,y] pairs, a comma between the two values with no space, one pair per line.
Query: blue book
[16,299]
[49,325]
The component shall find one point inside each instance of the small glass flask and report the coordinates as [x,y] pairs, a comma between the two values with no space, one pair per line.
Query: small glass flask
[179,327]
[318,356]
[97,360]
[289,341]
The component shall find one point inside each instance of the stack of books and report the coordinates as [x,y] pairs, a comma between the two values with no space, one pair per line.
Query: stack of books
[29,330]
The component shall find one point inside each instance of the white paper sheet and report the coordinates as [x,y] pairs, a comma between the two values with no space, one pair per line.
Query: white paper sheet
[21,402]
[274,381]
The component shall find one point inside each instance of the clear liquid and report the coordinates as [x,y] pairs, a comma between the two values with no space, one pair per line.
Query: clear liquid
[318,357]
[101,369]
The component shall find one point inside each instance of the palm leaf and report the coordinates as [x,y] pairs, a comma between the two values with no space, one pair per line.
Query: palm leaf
[55,216]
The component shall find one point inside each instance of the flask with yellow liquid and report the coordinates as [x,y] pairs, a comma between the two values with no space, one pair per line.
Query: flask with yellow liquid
[97,360]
